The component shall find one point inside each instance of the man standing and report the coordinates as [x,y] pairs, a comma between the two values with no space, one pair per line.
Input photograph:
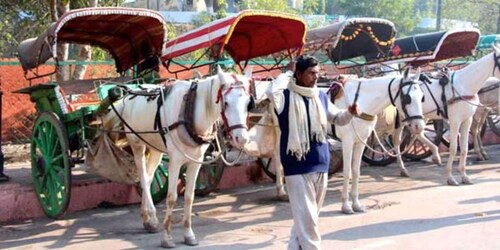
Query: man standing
[303,112]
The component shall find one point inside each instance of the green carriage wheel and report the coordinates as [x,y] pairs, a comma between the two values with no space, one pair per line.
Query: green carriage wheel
[159,185]
[51,164]
[209,175]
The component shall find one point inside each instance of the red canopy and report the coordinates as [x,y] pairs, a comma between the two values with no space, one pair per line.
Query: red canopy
[129,34]
[247,35]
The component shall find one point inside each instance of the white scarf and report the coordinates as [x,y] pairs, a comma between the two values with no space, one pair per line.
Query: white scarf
[298,136]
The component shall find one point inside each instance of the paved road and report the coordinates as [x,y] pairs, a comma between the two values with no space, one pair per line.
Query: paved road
[416,213]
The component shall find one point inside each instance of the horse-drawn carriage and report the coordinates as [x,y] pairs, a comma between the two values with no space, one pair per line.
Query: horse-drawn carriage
[61,129]
[133,37]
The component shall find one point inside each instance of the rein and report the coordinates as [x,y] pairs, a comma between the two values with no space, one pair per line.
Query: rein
[385,151]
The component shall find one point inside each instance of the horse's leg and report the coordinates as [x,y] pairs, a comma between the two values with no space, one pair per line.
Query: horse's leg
[148,210]
[347,162]
[454,126]
[192,170]
[475,136]
[464,143]
[174,166]
[280,177]
[396,134]
[436,158]
[480,139]
[356,166]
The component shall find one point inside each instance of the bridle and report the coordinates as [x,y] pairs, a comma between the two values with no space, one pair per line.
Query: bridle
[237,84]
[405,99]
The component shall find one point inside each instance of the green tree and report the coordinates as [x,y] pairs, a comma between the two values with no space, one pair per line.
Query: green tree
[486,13]
[276,5]
[401,12]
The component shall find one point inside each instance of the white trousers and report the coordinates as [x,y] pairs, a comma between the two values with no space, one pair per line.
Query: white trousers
[306,193]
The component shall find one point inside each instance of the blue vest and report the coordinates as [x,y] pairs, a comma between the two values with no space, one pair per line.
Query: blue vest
[318,157]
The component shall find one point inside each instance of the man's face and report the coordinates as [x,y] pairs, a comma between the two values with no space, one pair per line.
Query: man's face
[309,77]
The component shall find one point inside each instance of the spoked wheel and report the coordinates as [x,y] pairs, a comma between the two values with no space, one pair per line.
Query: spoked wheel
[268,167]
[494,123]
[418,150]
[159,185]
[210,174]
[51,164]
[375,158]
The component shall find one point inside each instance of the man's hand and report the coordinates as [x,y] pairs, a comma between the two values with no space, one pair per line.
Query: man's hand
[354,109]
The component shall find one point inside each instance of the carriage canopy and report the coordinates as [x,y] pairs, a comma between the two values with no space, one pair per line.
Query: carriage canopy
[352,38]
[432,47]
[245,36]
[130,35]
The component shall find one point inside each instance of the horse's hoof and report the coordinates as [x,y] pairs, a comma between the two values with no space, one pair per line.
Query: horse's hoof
[480,158]
[452,182]
[347,209]
[152,227]
[283,197]
[466,180]
[167,244]
[358,208]
[404,173]
[190,241]
[486,157]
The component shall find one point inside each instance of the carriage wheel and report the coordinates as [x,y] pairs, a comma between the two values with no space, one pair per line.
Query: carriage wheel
[210,174]
[377,159]
[494,123]
[51,164]
[159,185]
[418,150]
[269,169]
[336,161]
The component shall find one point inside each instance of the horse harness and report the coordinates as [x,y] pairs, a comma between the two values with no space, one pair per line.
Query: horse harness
[188,105]
[405,100]
[445,79]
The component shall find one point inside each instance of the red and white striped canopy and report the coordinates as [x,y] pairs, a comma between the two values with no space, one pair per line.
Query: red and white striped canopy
[247,35]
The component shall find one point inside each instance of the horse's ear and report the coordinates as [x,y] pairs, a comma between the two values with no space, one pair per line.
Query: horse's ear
[197,74]
[406,73]
[248,72]
[220,73]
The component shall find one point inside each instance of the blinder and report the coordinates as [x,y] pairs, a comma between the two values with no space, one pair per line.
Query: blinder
[406,100]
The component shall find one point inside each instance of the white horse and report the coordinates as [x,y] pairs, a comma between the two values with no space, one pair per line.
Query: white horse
[374,95]
[224,96]
[489,97]
[462,101]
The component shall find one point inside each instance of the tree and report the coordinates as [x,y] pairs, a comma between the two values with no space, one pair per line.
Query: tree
[486,13]
[276,5]
[401,12]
